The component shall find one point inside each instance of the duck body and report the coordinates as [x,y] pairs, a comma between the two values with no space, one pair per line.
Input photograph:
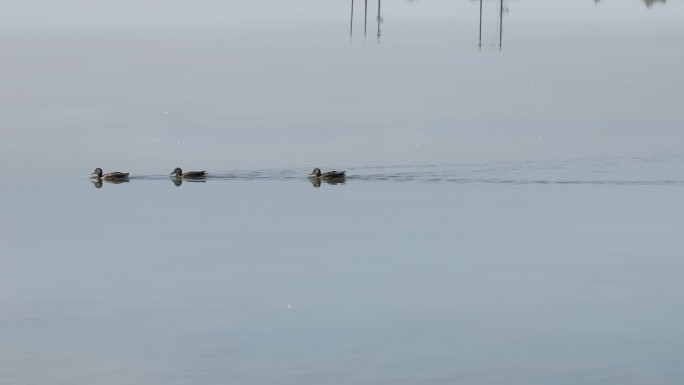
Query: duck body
[110,176]
[330,175]
[179,174]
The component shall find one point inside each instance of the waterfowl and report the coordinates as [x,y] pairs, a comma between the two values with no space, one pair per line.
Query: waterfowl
[330,175]
[188,175]
[111,176]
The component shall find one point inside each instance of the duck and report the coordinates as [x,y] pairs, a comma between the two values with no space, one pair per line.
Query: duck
[316,174]
[111,176]
[178,172]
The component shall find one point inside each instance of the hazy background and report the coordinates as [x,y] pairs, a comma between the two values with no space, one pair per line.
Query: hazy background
[513,215]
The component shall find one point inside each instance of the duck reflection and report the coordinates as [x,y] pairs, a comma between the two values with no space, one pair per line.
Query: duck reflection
[179,182]
[317,182]
[99,181]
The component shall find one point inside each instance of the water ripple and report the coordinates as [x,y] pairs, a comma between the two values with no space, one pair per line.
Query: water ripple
[627,170]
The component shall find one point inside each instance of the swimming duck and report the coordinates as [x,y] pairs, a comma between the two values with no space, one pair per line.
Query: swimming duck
[188,175]
[111,176]
[316,173]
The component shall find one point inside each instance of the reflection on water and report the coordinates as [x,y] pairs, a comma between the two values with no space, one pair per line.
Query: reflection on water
[501,9]
[463,247]
[98,182]
[379,20]
[178,182]
[317,182]
[500,12]
[649,3]
[637,170]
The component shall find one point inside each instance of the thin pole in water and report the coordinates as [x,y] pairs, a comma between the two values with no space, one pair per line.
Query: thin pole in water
[501,24]
[365,18]
[351,19]
[379,19]
[480,40]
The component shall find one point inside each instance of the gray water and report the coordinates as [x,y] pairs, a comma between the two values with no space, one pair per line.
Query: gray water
[513,214]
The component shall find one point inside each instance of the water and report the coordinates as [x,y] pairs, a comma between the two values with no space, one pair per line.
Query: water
[512,215]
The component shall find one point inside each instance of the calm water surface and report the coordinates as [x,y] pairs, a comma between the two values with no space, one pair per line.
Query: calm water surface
[513,214]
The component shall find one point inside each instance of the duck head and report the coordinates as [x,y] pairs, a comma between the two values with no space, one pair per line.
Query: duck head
[316,172]
[97,172]
[177,172]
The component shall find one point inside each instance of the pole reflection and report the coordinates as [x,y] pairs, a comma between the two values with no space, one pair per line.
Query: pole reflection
[378,18]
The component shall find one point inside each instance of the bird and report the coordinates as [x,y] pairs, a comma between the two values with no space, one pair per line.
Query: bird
[330,175]
[188,175]
[111,176]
